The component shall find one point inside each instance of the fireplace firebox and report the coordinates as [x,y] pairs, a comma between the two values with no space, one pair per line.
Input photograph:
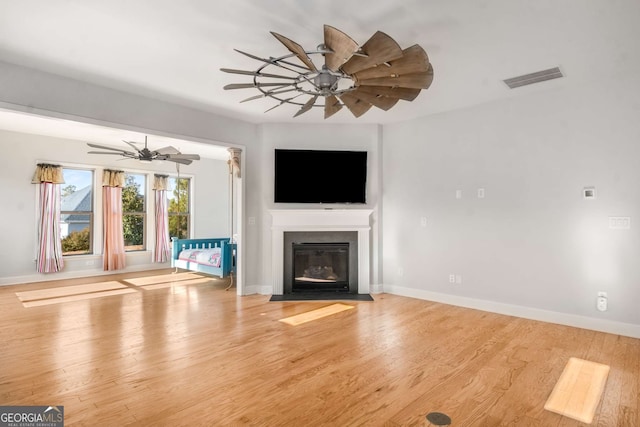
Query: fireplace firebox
[320,267]
[317,262]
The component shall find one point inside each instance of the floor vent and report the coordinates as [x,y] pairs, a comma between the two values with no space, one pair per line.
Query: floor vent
[537,77]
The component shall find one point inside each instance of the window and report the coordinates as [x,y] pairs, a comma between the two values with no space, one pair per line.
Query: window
[179,215]
[76,212]
[77,216]
[134,211]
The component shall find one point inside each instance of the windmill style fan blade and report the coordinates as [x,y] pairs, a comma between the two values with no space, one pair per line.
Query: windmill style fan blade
[104,147]
[270,92]
[380,101]
[296,49]
[357,106]
[384,103]
[414,81]
[282,101]
[331,106]
[380,48]
[390,92]
[250,85]
[342,46]
[255,73]
[414,60]
[307,106]
[274,62]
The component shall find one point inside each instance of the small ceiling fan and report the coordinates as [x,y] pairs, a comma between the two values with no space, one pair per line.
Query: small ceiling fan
[169,153]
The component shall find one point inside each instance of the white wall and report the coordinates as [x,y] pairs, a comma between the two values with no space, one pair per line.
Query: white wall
[19,218]
[533,246]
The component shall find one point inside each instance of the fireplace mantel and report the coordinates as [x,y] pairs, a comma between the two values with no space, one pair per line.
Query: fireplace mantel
[284,220]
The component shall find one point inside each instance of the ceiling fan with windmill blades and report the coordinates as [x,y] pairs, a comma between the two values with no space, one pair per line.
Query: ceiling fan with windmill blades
[379,73]
[169,153]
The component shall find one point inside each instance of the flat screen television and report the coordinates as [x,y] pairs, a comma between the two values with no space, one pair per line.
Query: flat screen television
[320,176]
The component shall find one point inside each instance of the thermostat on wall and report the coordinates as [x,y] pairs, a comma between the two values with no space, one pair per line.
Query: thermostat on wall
[589,192]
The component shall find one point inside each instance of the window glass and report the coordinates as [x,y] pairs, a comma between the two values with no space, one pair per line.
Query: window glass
[179,215]
[134,212]
[76,212]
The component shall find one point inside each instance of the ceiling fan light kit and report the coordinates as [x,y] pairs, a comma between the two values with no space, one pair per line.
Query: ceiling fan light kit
[379,73]
[169,153]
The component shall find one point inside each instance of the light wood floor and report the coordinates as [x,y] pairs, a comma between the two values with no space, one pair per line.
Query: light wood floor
[197,355]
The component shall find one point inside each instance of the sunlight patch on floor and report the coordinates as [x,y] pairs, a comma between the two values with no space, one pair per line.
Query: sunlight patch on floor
[61,294]
[319,313]
[169,279]
[578,390]
[198,281]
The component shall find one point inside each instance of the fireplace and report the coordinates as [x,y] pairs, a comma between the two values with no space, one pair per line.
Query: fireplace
[320,267]
[306,226]
[320,261]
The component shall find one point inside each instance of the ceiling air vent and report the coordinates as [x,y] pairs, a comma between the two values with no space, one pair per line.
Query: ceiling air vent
[540,76]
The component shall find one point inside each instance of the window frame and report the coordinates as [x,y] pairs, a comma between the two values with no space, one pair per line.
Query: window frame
[96,236]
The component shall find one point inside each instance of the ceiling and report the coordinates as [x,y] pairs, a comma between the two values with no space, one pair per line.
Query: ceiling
[173,51]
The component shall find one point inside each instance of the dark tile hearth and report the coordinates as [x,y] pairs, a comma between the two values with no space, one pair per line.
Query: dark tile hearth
[320,296]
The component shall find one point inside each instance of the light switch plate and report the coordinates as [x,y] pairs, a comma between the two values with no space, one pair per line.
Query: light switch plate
[619,222]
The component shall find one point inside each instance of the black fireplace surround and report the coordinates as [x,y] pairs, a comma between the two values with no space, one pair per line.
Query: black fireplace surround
[320,261]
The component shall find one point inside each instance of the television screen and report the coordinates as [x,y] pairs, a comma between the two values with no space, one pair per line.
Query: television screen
[320,176]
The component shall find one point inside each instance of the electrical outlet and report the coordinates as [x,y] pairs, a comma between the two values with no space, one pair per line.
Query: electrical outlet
[252,220]
[459,279]
[452,278]
[602,304]
[458,194]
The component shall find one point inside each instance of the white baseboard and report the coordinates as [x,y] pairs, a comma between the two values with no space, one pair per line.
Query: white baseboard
[258,289]
[602,325]
[376,289]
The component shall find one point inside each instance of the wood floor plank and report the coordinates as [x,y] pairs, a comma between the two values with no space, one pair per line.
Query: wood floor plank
[192,353]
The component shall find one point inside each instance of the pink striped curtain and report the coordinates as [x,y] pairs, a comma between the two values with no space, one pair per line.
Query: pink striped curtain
[162,250]
[49,258]
[113,251]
